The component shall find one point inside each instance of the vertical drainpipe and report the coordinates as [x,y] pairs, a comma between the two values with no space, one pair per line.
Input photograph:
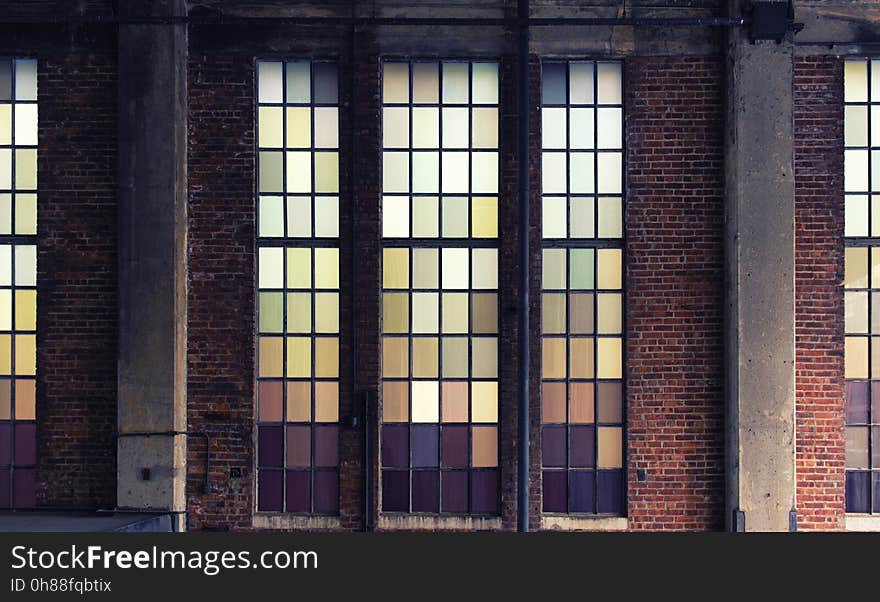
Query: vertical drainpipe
[524,331]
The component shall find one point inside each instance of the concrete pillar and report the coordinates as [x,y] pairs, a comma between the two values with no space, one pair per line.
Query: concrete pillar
[151,389]
[759,237]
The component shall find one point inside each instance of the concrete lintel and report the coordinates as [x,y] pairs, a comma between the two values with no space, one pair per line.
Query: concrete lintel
[419,522]
[579,523]
[759,237]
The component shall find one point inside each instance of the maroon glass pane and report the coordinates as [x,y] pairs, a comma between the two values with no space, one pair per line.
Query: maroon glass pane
[327,446]
[299,491]
[25,444]
[24,488]
[583,447]
[553,446]
[555,490]
[395,491]
[610,491]
[484,492]
[269,490]
[583,490]
[425,446]
[271,448]
[856,402]
[395,446]
[299,446]
[4,488]
[425,491]
[327,491]
[455,486]
[455,446]
[858,494]
[5,443]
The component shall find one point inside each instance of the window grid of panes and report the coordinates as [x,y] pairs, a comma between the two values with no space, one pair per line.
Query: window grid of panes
[582,398]
[862,283]
[298,287]
[439,437]
[18,280]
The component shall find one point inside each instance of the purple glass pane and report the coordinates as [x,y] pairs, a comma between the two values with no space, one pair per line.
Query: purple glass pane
[271,447]
[5,443]
[299,491]
[455,446]
[610,492]
[395,490]
[327,446]
[484,492]
[857,403]
[583,447]
[426,491]
[299,446]
[553,446]
[269,490]
[24,488]
[583,491]
[25,444]
[876,477]
[325,83]
[875,445]
[327,491]
[455,485]
[425,446]
[858,491]
[395,446]
[875,400]
[4,488]
[553,483]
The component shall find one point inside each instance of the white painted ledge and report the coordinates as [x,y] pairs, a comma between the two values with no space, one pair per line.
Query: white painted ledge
[294,522]
[419,522]
[584,523]
[863,522]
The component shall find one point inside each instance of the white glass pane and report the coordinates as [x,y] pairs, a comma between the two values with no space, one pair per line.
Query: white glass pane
[455,127]
[326,127]
[455,268]
[299,172]
[395,127]
[855,121]
[610,133]
[426,217]
[271,216]
[456,176]
[485,83]
[425,172]
[581,173]
[271,267]
[395,172]
[485,269]
[327,217]
[554,213]
[269,82]
[484,124]
[485,172]
[608,76]
[5,265]
[855,170]
[425,127]
[553,126]
[5,168]
[581,128]
[553,173]
[610,172]
[395,216]
[581,83]
[299,216]
[26,124]
[25,265]
[855,81]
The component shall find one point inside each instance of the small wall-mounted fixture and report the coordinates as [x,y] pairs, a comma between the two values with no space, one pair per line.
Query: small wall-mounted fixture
[772,21]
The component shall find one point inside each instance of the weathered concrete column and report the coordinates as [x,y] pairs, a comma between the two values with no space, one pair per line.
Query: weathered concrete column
[759,236]
[151,389]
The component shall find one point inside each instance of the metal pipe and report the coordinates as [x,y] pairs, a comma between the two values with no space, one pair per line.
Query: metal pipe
[524,189]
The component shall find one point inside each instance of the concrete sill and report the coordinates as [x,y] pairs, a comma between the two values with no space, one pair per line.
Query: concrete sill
[428,522]
[550,522]
[863,522]
[296,522]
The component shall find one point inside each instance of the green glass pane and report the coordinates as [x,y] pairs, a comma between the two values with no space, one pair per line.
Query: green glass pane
[271,312]
[581,269]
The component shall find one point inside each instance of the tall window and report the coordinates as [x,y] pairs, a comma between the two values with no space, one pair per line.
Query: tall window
[582,397]
[439,451]
[298,287]
[862,284]
[18,281]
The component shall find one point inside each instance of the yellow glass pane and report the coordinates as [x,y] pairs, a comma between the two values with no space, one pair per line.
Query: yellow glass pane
[326,402]
[855,354]
[326,357]
[326,127]
[485,446]
[299,401]
[856,312]
[26,169]
[484,359]
[425,401]
[395,268]
[395,312]
[269,125]
[299,127]
[855,268]
[610,311]
[426,268]
[455,357]
[5,354]
[484,401]
[25,399]
[5,123]
[5,309]
[25,213]
[299,312]
[5,399]
[395,82]
[395,127]
[426,127]
[485,128]
[553,313]
[299,268]
[485,269]
[485,313]
[425,357]
[327,268]
[327,172]
[327,313]
[395,402]
[299,357]
[455,313]
[270,356]
[395,357]
[609,267]
[855,80]
[581,360]
[610,447]
[299,171]
[554,270]
[553,357]
[610,364]
[455,401]
[425,313]
[484,217]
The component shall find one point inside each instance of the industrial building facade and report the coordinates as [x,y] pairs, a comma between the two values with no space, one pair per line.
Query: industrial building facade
[466,266]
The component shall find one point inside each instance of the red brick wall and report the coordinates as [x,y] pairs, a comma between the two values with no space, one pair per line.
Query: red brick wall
[76,277]
[674,292]
[818,125]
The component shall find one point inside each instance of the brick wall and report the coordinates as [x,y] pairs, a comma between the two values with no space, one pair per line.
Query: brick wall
[76,276]
[674,288]
[818,125]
